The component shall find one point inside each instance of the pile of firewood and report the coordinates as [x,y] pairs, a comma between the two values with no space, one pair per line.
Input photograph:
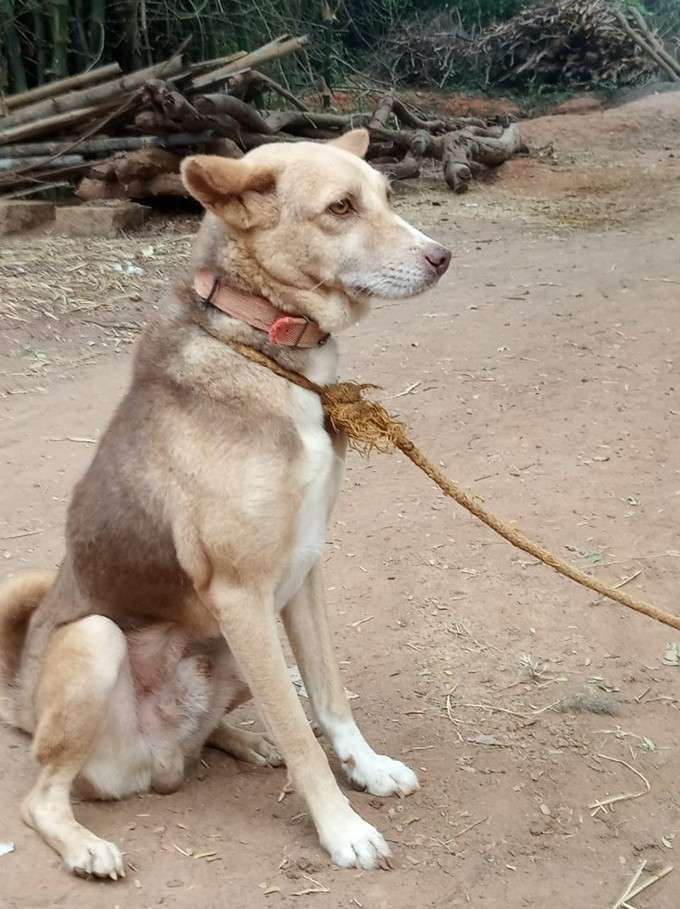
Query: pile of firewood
[125,139]
[49,134]
[574,42]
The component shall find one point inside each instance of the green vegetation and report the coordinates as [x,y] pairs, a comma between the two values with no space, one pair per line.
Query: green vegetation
[41,40]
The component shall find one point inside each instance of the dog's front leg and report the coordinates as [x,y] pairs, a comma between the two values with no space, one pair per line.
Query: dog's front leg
[308,628]
[247,620]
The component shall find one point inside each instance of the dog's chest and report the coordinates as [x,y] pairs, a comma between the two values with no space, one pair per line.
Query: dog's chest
[319,476]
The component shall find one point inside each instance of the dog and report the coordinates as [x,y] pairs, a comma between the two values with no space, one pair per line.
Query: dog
[202,516]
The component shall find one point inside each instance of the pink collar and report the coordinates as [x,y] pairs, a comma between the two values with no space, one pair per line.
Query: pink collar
[283,329]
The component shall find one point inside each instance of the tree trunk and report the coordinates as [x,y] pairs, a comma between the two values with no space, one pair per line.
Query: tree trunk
[40,43]
[13,47]
[59,17]
[97,27]
[133,38]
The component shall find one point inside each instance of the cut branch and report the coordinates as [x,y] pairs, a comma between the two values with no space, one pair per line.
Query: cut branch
[90,97]
[276,49]
[51,89]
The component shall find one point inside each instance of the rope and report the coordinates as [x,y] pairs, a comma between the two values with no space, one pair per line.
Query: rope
[369,426]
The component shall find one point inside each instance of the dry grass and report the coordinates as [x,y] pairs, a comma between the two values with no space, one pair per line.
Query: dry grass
[53,278]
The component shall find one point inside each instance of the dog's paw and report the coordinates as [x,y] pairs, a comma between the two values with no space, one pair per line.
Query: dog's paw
[351,842]
[251,747]
[261,751]
[90,856]
[381,775]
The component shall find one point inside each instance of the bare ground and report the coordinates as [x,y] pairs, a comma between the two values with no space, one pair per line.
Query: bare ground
[543,374]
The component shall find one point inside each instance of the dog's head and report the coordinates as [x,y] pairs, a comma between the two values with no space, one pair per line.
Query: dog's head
[316,219]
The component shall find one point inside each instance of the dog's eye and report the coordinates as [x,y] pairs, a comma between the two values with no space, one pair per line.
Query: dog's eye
[342,207]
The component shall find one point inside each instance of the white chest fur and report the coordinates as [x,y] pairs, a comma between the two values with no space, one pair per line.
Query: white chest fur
[319,476]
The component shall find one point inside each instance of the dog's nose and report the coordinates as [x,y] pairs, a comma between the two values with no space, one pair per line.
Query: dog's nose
[438,256]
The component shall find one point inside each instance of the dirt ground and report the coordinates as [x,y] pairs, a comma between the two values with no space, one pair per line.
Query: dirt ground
[543,375]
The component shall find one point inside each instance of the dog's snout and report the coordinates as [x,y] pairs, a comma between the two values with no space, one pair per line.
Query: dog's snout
[438,257]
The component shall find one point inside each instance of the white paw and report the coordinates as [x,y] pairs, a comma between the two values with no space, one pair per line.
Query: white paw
[353,843]
[381,775]
[89,856]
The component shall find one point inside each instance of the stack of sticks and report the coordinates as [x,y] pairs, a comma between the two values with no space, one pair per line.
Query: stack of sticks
[125,137]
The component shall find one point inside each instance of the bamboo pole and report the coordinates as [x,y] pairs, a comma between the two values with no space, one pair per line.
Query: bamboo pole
[19,163]
[50,89]
[271,51]
[91,97]
[97,146]
[59,20]
[654,40]
[57,122]
[645,46]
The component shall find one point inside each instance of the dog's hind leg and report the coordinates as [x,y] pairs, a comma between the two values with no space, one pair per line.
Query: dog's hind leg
[81,668]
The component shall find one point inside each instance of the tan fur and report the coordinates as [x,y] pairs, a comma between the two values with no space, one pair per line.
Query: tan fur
[203,514]
[19,597]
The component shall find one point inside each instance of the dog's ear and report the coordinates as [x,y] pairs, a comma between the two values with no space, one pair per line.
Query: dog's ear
[355,142]
[242,195]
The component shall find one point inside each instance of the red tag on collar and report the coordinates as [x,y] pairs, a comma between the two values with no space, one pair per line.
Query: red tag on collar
[288,331]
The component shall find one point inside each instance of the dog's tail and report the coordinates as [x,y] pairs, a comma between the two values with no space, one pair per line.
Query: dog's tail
[19,597]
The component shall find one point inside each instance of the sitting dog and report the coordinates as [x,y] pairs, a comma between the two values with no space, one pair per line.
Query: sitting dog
[202,516]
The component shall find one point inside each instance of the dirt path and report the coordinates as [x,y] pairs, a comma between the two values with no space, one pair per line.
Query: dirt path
[544,375]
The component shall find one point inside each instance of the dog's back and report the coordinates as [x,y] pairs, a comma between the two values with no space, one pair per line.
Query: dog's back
[19,597]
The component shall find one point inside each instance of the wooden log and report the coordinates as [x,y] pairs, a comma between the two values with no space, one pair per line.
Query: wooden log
[382,112]
[166,185]
[406,169]
[49,173]
[51,89]
[455,162]
[494,151]
[173,106]
[153,121]
[292,121]
[34,189]
[144,164]
[224,147]
[105,145]
[217,106]
[91,190]
[206,66]
[58,122]
[93,96]
[461,150]
[250,85]
[11,164]
[276,49]
[409,118]
[104,170]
